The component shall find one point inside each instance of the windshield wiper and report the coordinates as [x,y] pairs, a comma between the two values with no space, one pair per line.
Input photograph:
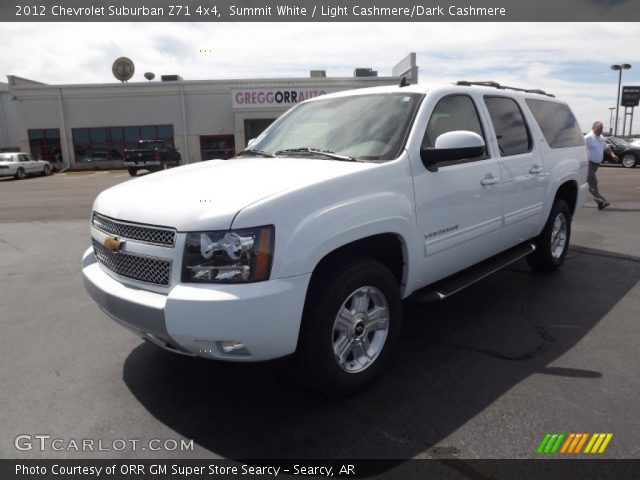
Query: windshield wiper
[317,151]
[255,152]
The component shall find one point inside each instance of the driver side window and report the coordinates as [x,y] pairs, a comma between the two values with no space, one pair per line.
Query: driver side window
[454,112]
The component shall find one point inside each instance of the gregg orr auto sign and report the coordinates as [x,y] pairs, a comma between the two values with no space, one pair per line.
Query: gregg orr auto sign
[255,98]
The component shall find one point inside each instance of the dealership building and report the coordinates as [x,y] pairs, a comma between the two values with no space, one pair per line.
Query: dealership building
[88,126]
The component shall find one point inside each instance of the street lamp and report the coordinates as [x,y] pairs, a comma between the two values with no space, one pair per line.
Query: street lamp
[619,67]
[611,109]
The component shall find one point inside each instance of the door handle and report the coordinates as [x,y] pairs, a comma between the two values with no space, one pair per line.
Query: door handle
[489,180]
[535,170]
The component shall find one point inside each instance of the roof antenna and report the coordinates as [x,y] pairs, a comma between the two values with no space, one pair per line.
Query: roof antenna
[404,82]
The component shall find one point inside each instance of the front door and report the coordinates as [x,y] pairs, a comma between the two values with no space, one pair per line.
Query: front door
[459,206]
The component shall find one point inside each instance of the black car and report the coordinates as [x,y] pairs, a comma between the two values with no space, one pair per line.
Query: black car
[628,154]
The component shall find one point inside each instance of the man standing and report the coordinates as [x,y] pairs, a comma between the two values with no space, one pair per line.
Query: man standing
[597,148]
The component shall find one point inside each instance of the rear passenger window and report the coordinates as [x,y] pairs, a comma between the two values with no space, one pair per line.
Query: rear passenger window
[557,123]
[511,130]
[455,112]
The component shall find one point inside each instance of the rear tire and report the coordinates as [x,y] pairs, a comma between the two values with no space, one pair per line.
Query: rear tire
[20,174]
[552,244]
[350,325]
[132,171]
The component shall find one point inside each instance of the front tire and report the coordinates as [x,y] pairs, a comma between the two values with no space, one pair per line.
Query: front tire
[46,171]
[350,324]
[552,244]
[132,171]
[628,160]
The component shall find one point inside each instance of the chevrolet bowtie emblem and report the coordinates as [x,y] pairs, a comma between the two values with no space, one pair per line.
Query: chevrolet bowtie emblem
[113,244]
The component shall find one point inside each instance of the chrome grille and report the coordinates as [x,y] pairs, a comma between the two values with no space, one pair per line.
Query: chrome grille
[138,267]
[163,236]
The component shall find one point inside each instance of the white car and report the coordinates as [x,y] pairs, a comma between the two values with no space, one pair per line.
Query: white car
[346,205]
[20,165]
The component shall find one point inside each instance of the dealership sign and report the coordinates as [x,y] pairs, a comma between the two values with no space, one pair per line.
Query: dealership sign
[630,97]
[283,97]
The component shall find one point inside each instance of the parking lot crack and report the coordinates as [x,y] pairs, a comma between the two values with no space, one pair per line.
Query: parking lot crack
[5,242]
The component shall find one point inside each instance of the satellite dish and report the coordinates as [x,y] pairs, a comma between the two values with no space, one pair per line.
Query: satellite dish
[123,69]
[149,76]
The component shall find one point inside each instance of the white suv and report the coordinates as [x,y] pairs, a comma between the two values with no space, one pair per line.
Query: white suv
[308,242]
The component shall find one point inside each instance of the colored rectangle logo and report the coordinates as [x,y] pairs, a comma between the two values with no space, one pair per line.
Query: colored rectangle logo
[574,443]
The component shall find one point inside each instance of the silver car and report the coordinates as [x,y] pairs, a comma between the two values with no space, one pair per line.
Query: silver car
[21,164]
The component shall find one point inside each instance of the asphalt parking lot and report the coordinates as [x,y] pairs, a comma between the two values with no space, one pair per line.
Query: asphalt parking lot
[485,374]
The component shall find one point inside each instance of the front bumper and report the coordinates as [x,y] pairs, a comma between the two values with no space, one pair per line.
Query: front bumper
[194,319]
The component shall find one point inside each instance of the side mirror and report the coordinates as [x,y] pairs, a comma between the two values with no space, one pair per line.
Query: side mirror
[452,146]
[251,142]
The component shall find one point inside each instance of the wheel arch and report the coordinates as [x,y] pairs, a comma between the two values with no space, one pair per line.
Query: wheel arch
[568,191]
[387,248]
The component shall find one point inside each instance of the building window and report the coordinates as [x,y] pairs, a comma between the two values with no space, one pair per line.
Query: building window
[109,143]
[254,127]
[217,146]
[45,144]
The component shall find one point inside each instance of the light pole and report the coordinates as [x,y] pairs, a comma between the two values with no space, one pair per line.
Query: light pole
[619,67]
[611,109]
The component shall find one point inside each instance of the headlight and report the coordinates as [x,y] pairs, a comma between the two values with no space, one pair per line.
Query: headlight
[232,256]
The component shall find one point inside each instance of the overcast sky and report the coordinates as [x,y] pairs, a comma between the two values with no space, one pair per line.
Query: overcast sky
[570,60]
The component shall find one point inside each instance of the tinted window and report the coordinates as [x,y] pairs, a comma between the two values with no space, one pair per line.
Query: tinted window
[455,112]
[557,123]
[511,130]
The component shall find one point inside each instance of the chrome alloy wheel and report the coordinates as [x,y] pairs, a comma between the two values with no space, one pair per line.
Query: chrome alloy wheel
[360,329]
[559,236]
[629,160]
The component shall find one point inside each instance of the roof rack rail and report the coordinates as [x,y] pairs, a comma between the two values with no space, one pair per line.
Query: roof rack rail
[491,83]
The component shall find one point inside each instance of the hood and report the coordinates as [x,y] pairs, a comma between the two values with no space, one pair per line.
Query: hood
[208,195]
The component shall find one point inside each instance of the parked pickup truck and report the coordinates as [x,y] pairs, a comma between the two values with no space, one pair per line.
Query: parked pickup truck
[308,243]
[151,155]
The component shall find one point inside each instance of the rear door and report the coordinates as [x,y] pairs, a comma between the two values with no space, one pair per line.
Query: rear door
[521,167]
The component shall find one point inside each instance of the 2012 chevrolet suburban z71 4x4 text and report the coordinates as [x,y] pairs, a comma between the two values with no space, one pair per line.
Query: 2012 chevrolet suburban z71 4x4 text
[310,239]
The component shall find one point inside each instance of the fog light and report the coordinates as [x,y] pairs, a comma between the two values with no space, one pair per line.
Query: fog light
[206,347]
[232,347]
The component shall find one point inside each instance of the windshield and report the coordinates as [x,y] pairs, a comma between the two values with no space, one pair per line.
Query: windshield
[362,127]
